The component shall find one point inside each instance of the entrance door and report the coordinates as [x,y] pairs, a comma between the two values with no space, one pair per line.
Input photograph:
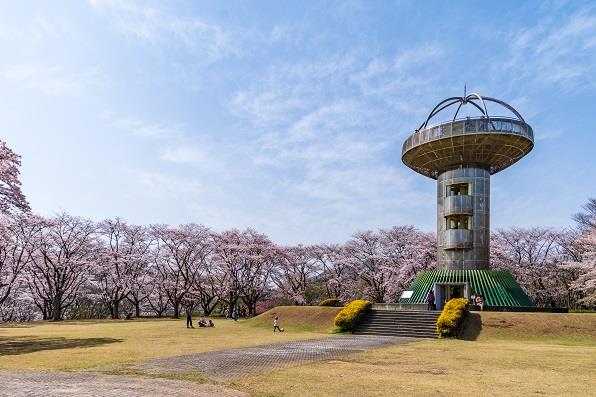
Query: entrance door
[448,291]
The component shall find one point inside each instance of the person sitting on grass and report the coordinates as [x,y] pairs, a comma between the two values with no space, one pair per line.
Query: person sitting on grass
[211,325]
[276,325]
[202,323]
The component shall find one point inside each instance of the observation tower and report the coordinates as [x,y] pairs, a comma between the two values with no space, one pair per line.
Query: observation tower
[462,154]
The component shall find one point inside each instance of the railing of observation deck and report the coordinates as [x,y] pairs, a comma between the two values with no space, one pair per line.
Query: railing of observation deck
[469,126]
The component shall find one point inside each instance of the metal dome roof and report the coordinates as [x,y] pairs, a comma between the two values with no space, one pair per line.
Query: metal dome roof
[471,99]
[487,141]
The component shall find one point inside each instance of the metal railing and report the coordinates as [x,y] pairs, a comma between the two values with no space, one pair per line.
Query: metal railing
[465,126]
[457,238]
[458,205]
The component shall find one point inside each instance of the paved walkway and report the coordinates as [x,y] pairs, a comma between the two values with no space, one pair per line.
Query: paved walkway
[235,363]
[85,384]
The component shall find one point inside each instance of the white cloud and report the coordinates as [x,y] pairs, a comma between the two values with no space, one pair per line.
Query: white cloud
[330,130]
[144,129]
[208,42]
[54,81]
[185,155]
[157,185]
[557,51]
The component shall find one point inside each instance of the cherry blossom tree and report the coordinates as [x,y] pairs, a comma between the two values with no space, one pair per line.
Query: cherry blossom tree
[121,260]
[157,296]
[210,286]
[62,252]
[337,276]
[16,231]
[585,283]
[389,260]
[247,259]
[295,272]
[586,220]
[533,257]
[11,196]
[581,249]
[365,255]
[179,255]
[140,287]
[408,252]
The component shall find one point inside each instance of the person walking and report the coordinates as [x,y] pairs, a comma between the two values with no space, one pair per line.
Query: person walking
[430,300]
[188,317]
[276,325]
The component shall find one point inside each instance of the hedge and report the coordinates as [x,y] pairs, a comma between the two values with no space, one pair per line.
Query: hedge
[333,302]
[452,316]
[349,316]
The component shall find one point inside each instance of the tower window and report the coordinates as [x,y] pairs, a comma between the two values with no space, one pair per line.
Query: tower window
[459,189]
[458,221]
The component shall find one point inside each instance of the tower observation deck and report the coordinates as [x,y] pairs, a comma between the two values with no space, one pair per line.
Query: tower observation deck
[462,154]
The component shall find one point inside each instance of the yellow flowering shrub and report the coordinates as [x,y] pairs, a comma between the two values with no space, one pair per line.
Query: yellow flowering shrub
[452,316]
[349,316]
[333,302]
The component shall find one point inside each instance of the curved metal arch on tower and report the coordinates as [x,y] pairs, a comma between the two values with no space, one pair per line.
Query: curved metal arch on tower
[468,99]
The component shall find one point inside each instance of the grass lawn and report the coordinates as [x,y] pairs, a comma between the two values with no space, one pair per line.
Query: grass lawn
[74,345]
[514,354]
[506,354]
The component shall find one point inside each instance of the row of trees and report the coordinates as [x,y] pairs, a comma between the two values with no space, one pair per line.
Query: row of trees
[70,267]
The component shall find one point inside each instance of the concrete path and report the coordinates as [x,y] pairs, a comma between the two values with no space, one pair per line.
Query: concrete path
[86,384]
[234,363]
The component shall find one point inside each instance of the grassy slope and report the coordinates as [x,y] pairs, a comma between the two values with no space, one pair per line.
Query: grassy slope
[571,328]
[72,345]
[302,318]
[519,354]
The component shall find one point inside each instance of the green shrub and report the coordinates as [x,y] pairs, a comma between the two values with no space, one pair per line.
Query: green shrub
[452,316]
[349,316]
[333,302]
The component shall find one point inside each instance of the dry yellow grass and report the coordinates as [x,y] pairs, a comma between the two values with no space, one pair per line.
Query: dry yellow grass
[72,345]
[564,328]
[514,354]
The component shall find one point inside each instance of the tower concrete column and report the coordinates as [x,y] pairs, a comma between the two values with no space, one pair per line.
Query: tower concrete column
[463,219]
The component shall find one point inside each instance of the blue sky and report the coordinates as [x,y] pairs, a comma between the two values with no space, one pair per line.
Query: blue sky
[287,116]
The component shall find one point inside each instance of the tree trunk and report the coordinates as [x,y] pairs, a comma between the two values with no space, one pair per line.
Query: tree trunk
[137,309]
[115,310]
[56,306]
[177,310]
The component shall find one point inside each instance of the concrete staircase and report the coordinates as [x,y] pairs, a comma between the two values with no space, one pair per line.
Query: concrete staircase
[411,323]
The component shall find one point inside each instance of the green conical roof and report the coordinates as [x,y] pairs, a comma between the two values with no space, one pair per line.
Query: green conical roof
[498,288]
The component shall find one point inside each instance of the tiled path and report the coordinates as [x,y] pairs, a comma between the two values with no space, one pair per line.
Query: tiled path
[235,363]
[85,384]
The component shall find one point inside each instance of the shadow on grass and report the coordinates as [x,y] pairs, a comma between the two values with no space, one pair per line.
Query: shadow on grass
[471,327]
[23,345]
